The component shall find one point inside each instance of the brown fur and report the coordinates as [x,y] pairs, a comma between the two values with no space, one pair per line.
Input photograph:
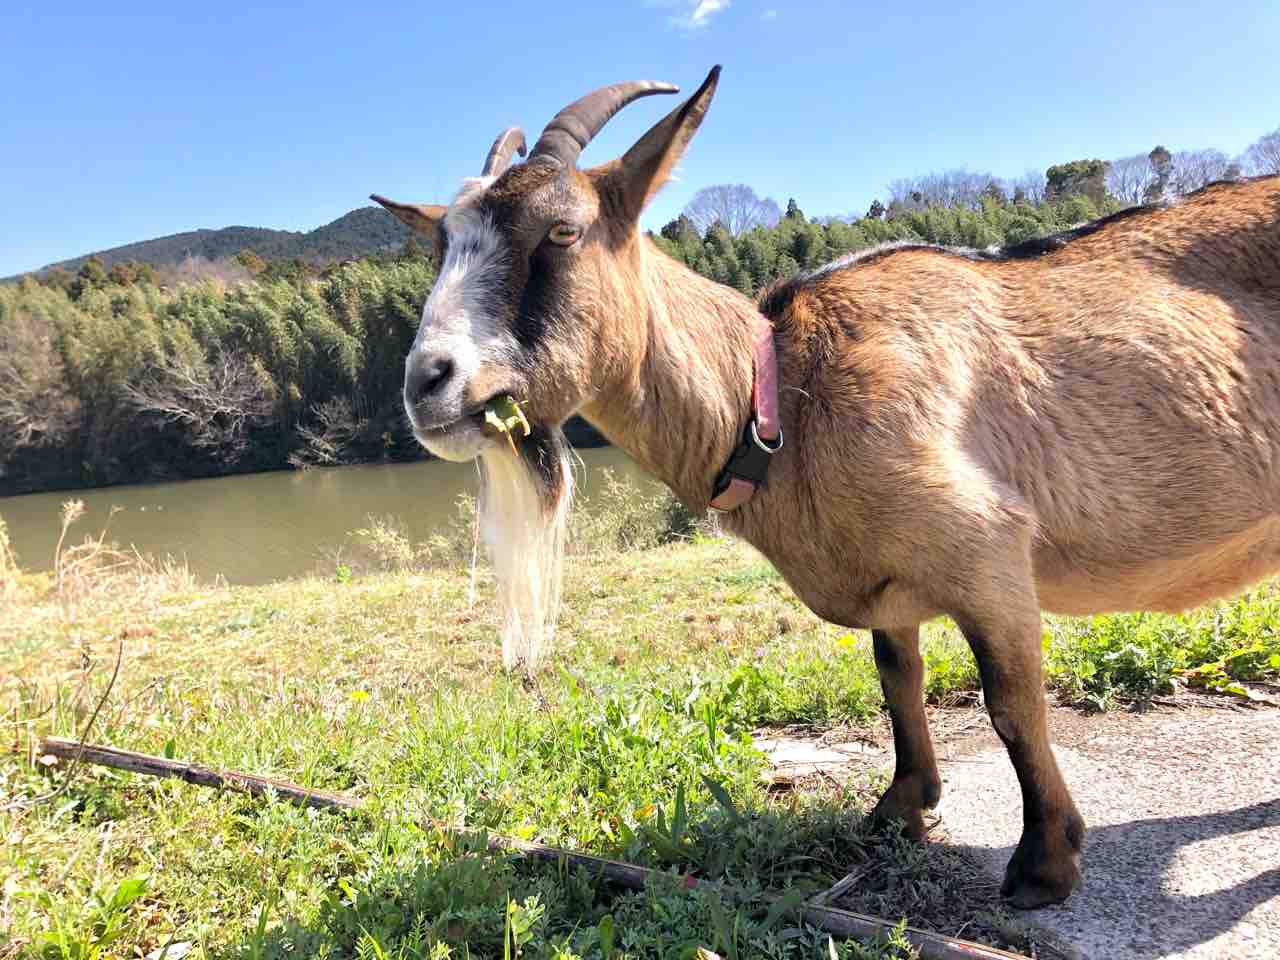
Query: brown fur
[1081,426]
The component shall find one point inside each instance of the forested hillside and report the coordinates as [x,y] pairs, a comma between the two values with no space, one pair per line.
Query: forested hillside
[360,233]
[756,257]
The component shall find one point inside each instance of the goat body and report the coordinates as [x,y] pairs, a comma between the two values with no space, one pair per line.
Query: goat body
[1112,407]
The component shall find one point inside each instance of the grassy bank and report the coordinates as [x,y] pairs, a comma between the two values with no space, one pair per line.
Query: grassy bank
[382,678]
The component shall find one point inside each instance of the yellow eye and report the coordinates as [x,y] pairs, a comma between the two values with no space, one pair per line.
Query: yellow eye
[564,234]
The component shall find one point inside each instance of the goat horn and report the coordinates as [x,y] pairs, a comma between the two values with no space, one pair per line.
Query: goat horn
[510,141]
[573,127]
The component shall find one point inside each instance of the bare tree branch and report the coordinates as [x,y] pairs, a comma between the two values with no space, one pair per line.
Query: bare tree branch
[950,188]
[216,400]
[1129,178]
[36,408]
[1030,187]
[735,205]
[1263,157]
[1189,170]
[336,425]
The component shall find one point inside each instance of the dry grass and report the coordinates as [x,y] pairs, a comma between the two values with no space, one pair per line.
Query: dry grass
[95,576]
[623,517]
[8,567]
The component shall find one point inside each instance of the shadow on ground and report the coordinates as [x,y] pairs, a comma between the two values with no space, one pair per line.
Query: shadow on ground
[1151,892]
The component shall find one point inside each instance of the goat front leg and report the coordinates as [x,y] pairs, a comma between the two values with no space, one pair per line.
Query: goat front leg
[1045,867]
[916,785]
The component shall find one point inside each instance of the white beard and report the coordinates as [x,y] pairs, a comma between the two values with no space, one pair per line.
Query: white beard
[523,520]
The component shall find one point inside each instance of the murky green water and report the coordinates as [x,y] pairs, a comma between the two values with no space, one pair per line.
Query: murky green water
[263,526]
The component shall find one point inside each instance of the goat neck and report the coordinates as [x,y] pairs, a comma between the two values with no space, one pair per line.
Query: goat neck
[677,393]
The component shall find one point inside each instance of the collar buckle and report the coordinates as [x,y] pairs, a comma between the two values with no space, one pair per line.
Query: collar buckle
[745,470]
[755,436]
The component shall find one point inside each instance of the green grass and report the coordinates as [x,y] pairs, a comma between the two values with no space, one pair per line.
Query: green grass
[1103,661]
[389,686]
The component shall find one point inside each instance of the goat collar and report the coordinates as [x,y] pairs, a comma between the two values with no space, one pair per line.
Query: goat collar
[762,438]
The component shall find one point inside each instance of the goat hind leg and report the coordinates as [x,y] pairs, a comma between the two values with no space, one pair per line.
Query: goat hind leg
[1045,867]
[916,785]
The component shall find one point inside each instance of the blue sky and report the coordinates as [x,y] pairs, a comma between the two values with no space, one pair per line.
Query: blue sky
[122,122]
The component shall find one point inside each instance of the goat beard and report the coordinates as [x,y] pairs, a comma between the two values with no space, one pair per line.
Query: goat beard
[524,514]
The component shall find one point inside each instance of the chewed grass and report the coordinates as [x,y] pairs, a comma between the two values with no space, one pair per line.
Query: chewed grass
[636,743]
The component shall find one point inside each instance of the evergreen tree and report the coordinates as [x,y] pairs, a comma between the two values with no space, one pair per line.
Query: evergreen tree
[675,230]
[91,276]
[1078,178]
[251,262]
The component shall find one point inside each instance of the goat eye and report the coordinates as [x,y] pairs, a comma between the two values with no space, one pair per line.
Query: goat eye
[564,234]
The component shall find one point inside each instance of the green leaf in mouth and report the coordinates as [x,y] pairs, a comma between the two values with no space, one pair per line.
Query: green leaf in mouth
[504,415]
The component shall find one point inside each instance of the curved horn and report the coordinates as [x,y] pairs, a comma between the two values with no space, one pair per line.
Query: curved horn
[573,127]
[510,140]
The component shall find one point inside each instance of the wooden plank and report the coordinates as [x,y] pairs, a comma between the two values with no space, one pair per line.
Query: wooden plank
[841,923]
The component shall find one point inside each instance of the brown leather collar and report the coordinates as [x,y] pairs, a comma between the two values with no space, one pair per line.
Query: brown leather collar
[762,438]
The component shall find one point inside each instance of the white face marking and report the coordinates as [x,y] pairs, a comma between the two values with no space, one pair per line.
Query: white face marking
[460,443]
[459,317]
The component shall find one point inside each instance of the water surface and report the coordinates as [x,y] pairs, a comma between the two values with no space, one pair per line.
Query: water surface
[264,526]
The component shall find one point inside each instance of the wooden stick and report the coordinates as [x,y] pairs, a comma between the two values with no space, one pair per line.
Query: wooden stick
[202,776]
[838,888]
[842,923]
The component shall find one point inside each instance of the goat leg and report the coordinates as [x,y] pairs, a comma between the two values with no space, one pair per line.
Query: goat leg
[1045,867]
[916,785]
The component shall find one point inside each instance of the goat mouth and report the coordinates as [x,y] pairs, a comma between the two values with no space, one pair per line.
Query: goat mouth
[472,419]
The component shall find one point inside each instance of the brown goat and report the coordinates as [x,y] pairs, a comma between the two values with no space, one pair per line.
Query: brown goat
[1080,424]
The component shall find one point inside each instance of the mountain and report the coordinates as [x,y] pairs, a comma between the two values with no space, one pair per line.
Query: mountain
[361,232]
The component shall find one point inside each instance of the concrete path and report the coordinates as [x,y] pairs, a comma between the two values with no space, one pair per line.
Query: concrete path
[1183,853]
[1182,859]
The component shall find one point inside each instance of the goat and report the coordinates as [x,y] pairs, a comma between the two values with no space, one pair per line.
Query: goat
[1080,424]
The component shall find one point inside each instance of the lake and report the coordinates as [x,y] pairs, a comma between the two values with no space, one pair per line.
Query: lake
[260,527]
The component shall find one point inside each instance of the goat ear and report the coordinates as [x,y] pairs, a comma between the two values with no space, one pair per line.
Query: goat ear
[423,218]
[648,164]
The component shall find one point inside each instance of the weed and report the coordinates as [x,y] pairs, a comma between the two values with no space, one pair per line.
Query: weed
[87,931]
[385,542]
[1102,660]
[624,517]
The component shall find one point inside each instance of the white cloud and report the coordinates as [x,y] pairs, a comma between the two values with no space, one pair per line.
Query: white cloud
[691,14]
[769,15]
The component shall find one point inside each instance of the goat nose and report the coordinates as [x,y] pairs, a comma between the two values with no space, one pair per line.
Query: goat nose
[427,376]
